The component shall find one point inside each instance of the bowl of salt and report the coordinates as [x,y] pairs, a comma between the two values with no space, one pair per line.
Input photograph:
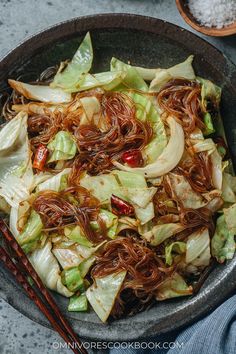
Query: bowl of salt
[211,17]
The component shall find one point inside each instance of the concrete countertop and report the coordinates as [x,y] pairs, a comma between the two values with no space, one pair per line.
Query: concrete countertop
[18,20]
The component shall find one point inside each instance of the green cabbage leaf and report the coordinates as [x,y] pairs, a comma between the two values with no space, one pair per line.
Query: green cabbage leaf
[173,286]
[102,294]
[132,78]
[80,64]
[48,269]
[62,147]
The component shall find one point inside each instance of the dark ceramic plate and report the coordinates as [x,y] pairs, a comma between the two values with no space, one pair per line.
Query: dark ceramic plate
[149,42]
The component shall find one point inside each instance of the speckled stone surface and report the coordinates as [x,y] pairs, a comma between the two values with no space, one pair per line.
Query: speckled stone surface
[19,335]
[18,20]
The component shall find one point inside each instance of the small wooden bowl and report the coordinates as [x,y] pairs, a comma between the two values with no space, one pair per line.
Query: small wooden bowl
[210,31]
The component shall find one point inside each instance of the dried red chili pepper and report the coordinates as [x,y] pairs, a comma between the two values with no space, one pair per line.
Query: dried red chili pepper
[133,158]
[120,206]
[40,157]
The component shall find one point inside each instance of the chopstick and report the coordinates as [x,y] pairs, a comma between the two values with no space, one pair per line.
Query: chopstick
[49,308]
[22,280]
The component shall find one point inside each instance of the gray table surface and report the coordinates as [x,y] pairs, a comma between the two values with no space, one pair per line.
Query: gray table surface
[18,20]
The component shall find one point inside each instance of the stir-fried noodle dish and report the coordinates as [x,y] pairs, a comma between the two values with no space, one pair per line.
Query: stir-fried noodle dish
[117,185]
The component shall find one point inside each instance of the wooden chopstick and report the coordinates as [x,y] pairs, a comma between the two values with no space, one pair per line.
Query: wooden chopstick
[55,317]
[22,280]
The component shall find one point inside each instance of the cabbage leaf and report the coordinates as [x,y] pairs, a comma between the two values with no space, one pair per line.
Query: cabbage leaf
[92,113]
[140,197]
[205,145]
[173,286]
[102,186]
[129,180]
[196,135]
[72,255]
[55,183]
[16,174]
[102,294]
[183,190]
[14,147]
[41,93]
[127,223]
[86,265]
[39,107]
[198,248]
[79,65]
[75,76]
[62,147]
[147,112]
[108,80]
[78,303]
[31,233]
[209,92]
[126,185]
[14,190]
[229,188]
[217,169]
[181,70]
[209,127]
[176,247]
[160,233]
[48,269]
[230,218]
[72,279]
[184,70]
[75,233]
[222,243]
[132,78]
[91,106]
[110,220]
[4,206]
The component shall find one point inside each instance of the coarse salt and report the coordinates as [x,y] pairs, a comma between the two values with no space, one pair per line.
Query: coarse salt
[213,13]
